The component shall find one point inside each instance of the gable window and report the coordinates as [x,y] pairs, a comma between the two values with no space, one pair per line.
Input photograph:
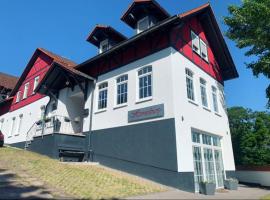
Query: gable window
[203,92]
[204,53]
[195,42]
[18,97]
[142,24]
[104,46]
[122,89]
[102,96]
[215,101]
[25,92]
[145,82]
[36,81]
[189,84]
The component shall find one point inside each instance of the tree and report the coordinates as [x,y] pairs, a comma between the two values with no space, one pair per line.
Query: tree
[250,133]
[249,27]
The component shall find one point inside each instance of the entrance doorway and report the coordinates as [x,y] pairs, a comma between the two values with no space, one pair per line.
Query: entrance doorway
[207,159]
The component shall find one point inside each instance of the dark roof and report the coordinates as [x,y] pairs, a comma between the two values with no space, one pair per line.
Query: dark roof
[56,59]
[102,32]
[8,81]
[209,22]
[140,8]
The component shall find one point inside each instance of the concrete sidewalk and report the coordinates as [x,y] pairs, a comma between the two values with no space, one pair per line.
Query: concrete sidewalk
[243,192]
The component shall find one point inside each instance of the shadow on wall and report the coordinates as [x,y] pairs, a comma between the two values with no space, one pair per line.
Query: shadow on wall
[12,188]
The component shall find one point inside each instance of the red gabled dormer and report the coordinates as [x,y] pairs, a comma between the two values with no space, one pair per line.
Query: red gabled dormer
[24,91]
[105,37]
[143,14]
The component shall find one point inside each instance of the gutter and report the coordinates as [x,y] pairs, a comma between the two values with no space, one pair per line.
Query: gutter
[90,147]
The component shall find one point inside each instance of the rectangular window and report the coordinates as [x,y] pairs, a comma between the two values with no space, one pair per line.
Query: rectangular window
[18,97]
[189,83]
[145,82]
[142,24]
[204,53]
[12,126]
[216,141]
[195,42]
[25,92]
[36,81]
[122,89]
[19,124]
[104,46]
[203,92]
[102,96]
[206,139]
[215,101]
[195,137]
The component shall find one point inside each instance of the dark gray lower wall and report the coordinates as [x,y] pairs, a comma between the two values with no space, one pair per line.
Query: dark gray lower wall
[146,149]
[18,145]
[50,145]
[230,174]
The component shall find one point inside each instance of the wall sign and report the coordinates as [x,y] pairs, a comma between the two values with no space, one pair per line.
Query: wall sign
[146,113]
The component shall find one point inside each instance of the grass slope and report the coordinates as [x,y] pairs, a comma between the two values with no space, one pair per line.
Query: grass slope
[80,181]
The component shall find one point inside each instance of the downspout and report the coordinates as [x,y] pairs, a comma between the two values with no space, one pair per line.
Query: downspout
[90,148]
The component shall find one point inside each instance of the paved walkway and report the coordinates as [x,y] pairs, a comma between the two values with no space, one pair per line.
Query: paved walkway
[24,187]
[243,192]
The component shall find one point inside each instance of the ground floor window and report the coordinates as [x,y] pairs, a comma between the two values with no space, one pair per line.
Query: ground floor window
[207,159]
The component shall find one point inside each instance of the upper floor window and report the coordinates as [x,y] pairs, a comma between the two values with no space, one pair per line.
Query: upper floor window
[36,81]
[145,82]
[104,46]
[25,92]
[12,126]
[199,46]
[190,86]
[122,89]
[18,97]
[1,124]
[19,124]
[195,42]
[102,95]
[204,53]
[203,92]
[215,101]
[143,24]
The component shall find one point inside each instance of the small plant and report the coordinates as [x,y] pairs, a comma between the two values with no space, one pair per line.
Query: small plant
[232,180]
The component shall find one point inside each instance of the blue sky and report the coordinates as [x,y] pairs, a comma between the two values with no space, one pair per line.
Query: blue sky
[63,25]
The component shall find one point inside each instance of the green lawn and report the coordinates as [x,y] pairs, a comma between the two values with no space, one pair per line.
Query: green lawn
[267,197]
[80,181]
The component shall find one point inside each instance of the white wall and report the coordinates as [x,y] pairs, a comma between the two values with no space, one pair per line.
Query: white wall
[31,114]
[162,91]
[189,115]
[257,177]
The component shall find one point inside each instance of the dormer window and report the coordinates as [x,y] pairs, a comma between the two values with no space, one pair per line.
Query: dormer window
[104,46]
[142,24]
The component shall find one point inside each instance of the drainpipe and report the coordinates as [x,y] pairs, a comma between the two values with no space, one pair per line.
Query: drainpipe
[90,148]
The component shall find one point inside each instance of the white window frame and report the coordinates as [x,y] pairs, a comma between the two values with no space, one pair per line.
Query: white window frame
[195,40]
[12,126]
[204,50]
[150,97]
[26,90]
[119,84]
[215,99]
[98,96]
[18,96]
[190,78]
[203,86]
[36,82]
[145,19]
[19,125]
[103,43]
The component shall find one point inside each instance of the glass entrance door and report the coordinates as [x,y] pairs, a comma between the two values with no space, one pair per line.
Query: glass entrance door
[198,170]
[219,168]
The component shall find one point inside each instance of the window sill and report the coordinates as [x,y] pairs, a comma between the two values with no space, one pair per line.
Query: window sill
[120,106]
[144,100]
[193,102]
[101,111]
[9,136]
[218,114]
[206,108]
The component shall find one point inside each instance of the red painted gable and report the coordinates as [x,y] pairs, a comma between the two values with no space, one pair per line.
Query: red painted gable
[39,68]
